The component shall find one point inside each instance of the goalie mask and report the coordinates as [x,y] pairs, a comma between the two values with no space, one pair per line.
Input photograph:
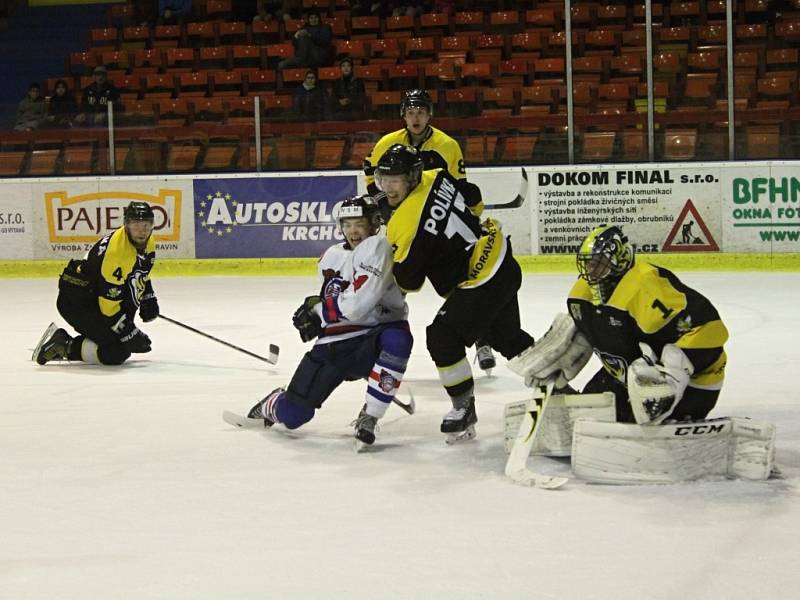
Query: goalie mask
[604,255]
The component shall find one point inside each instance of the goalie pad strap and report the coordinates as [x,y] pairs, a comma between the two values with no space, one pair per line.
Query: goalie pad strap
[622,453]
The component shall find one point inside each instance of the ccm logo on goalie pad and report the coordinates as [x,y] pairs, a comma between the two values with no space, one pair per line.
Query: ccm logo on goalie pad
[699,429]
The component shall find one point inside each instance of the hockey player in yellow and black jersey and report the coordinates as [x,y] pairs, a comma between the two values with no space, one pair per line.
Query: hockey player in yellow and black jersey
[100,295]
[660,341]
[435,236]
[438,151]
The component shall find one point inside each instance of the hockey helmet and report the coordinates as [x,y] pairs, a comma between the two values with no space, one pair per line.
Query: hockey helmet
[416,99]
[605,253]
[360,206]
[138,211]
[400,160]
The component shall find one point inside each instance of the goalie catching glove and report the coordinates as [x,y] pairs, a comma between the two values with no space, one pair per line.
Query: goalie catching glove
[306,320]
[655,387]
[560,354]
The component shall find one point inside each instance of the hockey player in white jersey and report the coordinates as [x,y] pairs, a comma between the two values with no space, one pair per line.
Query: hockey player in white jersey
[359,320]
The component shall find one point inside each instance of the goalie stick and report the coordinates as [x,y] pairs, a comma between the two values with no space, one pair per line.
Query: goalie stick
[516,202]
[273,349]
[516,466]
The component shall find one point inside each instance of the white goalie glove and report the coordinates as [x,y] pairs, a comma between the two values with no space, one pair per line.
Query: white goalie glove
[561,353]
[655,387]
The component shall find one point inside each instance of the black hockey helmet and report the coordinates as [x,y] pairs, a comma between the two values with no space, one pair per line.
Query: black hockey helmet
[138,211]
[360,206]
[416,99]
[401,160]
[605,253]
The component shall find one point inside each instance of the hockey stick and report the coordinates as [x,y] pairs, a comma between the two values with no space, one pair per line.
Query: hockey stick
[273,349]
[409,407]
[516,202]
[516,466]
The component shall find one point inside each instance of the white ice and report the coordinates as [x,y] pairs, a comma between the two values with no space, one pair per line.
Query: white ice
[126,483]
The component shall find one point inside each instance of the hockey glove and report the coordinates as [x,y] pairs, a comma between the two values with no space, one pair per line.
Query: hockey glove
[131,336]
[655,387]
[306,320]
[148,309]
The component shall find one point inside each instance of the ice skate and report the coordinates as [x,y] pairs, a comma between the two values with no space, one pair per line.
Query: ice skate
[364,430]
[52,346]
[485,358]
[264,409]
[459,423]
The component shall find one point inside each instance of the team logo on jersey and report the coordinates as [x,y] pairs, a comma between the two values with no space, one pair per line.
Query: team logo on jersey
[575,311]
[387,382]
[359,281]
[114,293]
[615,365]
[684,325]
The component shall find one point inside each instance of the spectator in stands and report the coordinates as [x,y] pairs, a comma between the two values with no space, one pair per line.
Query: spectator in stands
[348,96]
[282,10]
[313,45]
[62,108]
[309,99]
[96,98]
[145,12]
[31,110]
[174,11]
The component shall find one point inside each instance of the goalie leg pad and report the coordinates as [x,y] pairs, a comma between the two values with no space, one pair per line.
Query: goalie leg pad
[555,438]
[622,453]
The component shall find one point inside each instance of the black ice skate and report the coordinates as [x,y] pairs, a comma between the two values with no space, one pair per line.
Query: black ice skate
[365,430]
[53,345]
[485,358]
[459,423]
[263,408]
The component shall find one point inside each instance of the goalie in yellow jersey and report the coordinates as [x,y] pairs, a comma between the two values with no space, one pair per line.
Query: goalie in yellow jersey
[436,237]
[660,341]
[100,295]
[438,151]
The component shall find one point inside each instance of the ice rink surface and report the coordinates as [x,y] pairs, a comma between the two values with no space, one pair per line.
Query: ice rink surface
[124,482]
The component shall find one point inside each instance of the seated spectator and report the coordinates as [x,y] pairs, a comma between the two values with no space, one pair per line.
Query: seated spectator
[348,96]
[145,12]
[282,10]
[309,99]
[95,99]
[31,110]
[62,108]
[174,11]
[313,45]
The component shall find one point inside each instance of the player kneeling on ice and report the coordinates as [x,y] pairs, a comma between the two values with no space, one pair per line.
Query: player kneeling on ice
[435,236]
[100,295]
[360,324]
[661,347]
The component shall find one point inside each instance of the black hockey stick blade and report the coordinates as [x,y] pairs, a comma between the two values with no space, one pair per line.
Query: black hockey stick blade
[409,407]
[516,202]
[273,349]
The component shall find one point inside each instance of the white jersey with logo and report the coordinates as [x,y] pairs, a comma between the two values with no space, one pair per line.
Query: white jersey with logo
[359,290]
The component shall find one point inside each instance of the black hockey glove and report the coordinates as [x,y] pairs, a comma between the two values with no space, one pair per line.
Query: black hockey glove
[306,320]
[148,308]
[131,336]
